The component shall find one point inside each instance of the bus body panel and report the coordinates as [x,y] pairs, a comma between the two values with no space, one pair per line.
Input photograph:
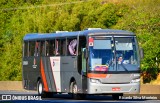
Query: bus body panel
[94,88]
[114,83]
[69,71]
[56,69]
[45,64]
[31,71]
[51,76]
[118,78]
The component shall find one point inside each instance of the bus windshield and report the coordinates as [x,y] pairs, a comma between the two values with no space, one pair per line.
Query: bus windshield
[108,54]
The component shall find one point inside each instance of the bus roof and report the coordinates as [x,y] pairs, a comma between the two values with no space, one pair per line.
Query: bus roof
[40,36]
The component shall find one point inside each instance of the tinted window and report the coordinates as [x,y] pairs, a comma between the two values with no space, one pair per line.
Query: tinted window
[72,46]
[50,47]
[31,48]
[102,44]
[25,48]
[63,46]
[42,48]
[37,49]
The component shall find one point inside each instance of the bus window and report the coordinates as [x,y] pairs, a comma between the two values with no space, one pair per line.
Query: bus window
[37,49]
[72,46]
[63,46]
[42,50]
[25,48]
[47,48]
[31,48]
[51,47]
[58,47]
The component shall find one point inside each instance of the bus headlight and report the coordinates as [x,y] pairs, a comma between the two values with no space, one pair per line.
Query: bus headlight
[94,80]
[135,81]
[136,75]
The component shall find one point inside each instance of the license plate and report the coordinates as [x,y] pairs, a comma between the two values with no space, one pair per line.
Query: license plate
[116,89]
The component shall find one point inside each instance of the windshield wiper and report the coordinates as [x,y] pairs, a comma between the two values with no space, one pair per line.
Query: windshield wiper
[111,63]
[123,67]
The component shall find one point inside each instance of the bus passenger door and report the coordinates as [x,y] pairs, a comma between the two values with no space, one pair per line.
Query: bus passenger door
[82,69]
[82,64]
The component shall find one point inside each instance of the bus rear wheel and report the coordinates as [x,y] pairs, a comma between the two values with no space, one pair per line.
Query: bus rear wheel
[40,88]
[41,92]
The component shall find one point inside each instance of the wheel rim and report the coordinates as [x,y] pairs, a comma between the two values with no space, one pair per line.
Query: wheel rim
[74,88]
[40,88]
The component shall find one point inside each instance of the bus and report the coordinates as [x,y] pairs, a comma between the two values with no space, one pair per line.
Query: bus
[91,61]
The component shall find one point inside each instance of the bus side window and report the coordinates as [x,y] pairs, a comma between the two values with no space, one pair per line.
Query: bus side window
[31,48]
[25,49]
[52,47]
[58,47]
[42,48]
[72,46]
[47,48]
[37,49]
[63,47]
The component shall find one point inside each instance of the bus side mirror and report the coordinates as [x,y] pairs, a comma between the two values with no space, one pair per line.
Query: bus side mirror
[141,53]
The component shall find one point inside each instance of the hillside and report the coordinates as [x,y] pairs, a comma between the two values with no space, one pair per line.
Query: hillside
[19,17]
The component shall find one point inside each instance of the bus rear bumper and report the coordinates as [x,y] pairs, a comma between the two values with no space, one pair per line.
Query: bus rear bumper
[94,88]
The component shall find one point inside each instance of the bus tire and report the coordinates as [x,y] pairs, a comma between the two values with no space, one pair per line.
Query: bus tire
[73,87]
[40,88]
[74,91]
[41,92]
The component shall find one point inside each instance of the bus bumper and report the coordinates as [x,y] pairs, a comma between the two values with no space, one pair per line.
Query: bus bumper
[94,88]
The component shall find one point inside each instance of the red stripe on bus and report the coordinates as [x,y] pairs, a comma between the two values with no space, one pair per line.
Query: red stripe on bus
[43,77]
[93,75]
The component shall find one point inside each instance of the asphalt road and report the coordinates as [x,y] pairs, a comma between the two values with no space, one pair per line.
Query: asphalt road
[60,98]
